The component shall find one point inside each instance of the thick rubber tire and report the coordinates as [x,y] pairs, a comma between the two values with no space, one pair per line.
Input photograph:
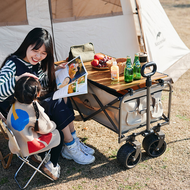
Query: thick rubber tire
[126,154]
[150,143]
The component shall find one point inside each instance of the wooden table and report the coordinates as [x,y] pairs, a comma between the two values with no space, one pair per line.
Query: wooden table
[103,77]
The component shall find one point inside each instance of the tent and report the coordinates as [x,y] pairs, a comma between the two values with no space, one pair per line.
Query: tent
[115,27]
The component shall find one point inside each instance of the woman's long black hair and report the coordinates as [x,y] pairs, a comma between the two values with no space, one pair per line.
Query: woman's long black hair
[38,37]
[26,91]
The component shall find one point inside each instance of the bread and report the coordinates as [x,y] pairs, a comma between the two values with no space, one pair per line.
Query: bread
[120,62]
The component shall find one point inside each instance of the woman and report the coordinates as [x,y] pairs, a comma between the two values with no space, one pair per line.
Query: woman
[35,58]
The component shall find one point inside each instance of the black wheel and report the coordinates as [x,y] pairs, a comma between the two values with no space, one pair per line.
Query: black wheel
[150,144]
[125,156]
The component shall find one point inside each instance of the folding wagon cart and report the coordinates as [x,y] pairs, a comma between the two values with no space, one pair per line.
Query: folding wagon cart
[140,106]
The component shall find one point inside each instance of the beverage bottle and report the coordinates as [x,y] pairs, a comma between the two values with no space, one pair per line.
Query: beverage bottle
[114,71]
[128,71]
[136,68]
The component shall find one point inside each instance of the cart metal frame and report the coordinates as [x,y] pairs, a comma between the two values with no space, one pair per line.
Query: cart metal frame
[154,135]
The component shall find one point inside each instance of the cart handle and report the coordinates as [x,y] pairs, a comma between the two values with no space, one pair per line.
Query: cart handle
[148,65]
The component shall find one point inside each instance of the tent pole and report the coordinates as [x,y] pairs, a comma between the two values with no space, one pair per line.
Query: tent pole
[51,19]
[140,21]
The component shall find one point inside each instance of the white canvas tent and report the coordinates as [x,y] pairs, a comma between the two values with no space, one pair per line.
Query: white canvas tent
[113,26]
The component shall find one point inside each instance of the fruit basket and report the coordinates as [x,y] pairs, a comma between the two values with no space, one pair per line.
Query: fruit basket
[102,62]
[100,68]
[99,61]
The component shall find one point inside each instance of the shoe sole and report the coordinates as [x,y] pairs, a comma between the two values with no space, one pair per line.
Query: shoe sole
[67,157]
[49,173]
[82,163]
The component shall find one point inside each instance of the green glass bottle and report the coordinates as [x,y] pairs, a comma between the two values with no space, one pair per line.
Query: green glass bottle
[136,68]
[128,72]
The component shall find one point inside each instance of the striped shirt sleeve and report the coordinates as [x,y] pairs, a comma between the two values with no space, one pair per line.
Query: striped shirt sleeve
[43,78]
[7,80]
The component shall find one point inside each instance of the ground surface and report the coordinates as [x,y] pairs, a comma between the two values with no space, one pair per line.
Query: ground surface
[169,171]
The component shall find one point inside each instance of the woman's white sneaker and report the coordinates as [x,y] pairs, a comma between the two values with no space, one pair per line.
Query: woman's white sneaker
[50,170]
[84,147]
[74,152]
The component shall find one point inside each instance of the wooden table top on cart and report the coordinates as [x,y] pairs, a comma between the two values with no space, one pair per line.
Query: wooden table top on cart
[103,77]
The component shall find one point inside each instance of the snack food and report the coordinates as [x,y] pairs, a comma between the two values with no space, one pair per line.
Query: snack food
[120,63]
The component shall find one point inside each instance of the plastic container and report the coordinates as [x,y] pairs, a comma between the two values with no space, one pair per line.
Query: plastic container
[114,72]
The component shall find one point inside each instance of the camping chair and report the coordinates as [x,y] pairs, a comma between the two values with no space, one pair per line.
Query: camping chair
[9,156]
[25,160]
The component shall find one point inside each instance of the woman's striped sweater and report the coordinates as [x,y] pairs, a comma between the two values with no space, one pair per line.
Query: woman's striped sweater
[7,78]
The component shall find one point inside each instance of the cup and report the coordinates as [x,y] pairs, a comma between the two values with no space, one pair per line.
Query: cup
[142,58]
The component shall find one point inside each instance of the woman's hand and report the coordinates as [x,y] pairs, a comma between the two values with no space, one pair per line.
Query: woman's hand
[61,66]
[25,75]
